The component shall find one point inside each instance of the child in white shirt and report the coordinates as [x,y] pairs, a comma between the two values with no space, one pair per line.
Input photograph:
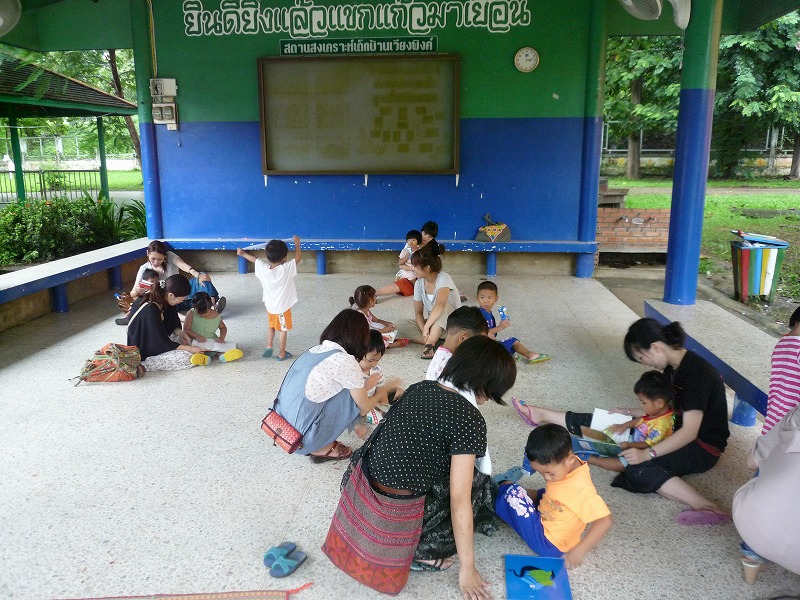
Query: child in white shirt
[462,324]
[280,294]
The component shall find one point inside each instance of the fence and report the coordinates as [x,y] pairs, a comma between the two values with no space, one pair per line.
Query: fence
[47,183]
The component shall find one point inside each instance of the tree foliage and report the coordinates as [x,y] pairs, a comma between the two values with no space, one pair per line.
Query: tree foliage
[758,87]
[656,62]
[93,67]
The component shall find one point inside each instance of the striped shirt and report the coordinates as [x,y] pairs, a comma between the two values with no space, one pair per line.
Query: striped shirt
[784,380]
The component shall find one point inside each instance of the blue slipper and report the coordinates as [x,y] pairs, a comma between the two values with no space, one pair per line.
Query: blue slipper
[284,357]
[514,474]
[267,353]
[276,552]
[286,565]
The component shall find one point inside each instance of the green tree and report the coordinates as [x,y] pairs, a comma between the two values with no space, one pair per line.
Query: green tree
[758,89]
[642,89]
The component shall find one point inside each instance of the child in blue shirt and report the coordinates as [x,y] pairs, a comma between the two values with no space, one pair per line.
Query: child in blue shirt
[487,298]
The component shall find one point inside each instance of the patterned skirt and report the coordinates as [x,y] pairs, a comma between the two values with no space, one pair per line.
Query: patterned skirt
[373,537]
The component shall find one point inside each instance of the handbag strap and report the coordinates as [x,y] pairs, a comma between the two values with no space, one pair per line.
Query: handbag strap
[137,312]
[488,218]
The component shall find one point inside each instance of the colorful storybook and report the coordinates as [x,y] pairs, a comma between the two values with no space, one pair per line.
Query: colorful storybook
[536,577]
[598,440]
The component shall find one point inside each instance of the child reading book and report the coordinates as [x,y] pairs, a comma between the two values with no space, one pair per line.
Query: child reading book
[552,520]
[201,325]
[654,391]
[387,390]
[462,324]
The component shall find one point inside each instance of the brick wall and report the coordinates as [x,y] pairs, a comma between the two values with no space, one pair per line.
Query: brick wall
[616,234]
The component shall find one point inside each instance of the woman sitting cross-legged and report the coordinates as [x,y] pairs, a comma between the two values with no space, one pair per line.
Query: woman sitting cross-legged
[155,329]
[325,391]
[422,466]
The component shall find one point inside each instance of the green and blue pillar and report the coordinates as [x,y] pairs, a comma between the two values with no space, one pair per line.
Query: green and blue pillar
[143,60]
[692,148]
[592,135]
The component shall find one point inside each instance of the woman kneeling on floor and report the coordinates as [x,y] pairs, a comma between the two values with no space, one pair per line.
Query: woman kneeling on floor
[325,391]
[419,467]
[155,329]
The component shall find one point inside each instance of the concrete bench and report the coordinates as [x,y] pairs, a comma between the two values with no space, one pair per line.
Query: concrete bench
[491,249]
[740,351]
[56,274]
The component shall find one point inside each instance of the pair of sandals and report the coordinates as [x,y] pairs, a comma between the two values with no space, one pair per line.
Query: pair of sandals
[336,452]
[284,559]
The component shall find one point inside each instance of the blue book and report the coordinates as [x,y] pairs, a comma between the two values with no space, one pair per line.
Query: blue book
[537,578]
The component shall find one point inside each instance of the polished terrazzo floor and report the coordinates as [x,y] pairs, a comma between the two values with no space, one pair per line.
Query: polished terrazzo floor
[167,484]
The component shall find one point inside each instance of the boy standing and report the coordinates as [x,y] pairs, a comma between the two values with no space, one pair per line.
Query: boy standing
[552,524]
[280,294]
[462,324]
[487,298]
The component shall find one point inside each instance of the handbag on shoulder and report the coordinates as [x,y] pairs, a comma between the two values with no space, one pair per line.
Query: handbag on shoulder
[493,231]
[282,432]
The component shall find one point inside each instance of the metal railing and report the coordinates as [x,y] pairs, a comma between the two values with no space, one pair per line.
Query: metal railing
[48,183]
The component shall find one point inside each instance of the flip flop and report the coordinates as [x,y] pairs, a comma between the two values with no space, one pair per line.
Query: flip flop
[539,359]
[286,565]
[436,566]
[400,343]
[427,353]
[517,404]
[514,474]
[267,353]
[284,357]
[276,552]
[200,359]
[705,516]
[231,355]
[342,453]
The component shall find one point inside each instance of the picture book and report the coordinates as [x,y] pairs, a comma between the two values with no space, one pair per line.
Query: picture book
[536,577]
[602,420]
[214,346]
[390,337]
[597,447]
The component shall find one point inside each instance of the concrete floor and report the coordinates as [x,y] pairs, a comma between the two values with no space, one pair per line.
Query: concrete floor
[167,485]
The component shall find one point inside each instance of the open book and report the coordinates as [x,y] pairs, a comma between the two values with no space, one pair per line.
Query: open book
[214,346]
[598,440]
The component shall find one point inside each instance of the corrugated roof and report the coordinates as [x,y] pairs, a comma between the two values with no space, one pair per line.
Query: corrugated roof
[27,90]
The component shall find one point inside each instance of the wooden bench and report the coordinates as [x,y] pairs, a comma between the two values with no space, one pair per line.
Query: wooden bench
[491,249]
[740,351]
[56,274]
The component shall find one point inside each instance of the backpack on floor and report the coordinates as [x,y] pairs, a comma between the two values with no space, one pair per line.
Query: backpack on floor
[113,362]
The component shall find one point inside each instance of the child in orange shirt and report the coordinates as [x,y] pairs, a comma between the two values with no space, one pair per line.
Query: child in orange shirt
[552,523]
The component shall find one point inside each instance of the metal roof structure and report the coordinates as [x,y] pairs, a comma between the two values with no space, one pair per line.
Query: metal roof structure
[28,90]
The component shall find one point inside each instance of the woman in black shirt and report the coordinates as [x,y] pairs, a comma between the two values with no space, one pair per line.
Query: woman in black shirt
[701,428]
[432,436]
[152,329]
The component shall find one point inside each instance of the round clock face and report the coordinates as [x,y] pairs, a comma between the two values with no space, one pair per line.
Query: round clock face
[526,59]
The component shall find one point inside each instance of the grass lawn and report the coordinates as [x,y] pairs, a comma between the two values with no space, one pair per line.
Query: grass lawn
[125,180]
[724,213]
[761,182]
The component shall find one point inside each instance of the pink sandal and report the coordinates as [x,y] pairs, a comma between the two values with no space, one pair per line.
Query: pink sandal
[518,404]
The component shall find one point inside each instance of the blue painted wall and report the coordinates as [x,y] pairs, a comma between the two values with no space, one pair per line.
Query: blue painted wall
[525,172]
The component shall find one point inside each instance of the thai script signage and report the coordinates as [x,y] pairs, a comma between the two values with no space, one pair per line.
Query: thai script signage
[310,19]
[360,46]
